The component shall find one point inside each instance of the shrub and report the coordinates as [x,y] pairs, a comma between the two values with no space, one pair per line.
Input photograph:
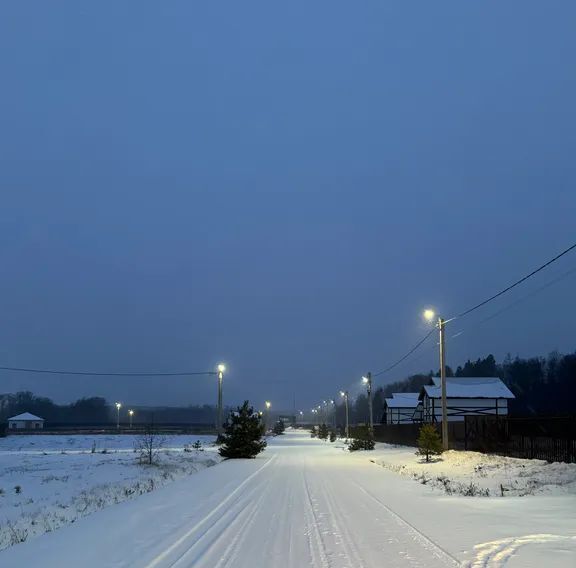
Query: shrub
[323,432]
[279,428]
[363,440]
[429,442]
[332,436]
[313,432]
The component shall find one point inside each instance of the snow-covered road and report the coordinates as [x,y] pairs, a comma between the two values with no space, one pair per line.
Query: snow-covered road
[301,503]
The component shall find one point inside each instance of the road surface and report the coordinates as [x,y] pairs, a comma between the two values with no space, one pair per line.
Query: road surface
[302,503]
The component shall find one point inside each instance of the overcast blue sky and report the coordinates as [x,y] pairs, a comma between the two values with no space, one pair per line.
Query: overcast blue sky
[282,186]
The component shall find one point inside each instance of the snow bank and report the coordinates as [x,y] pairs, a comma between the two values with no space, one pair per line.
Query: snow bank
[477,474]
[49,481]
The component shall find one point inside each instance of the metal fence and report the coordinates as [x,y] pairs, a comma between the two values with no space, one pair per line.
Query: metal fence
[546,438]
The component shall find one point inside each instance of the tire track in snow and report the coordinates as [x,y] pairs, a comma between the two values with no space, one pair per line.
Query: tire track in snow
[419,536]
[218,510]
[352,553]
[496,553]
[317,548]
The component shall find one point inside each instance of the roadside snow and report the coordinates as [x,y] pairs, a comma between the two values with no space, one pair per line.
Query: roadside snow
[49,481]
[477,474]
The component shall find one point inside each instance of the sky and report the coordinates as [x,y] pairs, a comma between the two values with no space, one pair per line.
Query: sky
[280,186]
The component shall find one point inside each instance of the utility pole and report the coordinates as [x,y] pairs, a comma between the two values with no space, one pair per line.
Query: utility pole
[118,407]
[368,381]
[219,420]
[442,328]
[345,395]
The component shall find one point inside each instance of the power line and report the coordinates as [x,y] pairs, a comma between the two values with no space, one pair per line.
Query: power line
[546,264]
[483,303]
[94,374]
[407,354]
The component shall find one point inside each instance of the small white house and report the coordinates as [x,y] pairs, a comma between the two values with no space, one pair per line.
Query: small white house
[25,421]
[476,396]
[399,409]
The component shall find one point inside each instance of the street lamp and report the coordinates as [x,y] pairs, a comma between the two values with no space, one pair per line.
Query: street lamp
[344,394]
[367,380]
[130,414]
[221,368]
[441,324]
[118,407]
[268,405]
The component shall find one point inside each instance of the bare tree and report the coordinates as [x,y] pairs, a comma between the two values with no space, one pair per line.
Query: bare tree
[148,444]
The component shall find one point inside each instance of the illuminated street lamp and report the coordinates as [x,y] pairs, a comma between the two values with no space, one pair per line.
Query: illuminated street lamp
[344,394]
[118,407]
[268,405]
[219,420]
[130,414]
[367,380]
[441,325]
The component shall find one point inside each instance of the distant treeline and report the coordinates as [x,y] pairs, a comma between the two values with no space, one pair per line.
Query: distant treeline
[96,410]
[542,385]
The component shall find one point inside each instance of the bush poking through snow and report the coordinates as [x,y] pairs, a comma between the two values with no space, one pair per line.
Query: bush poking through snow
[148,445]
[243,433]
[332,436]
[429,442]
[364,440]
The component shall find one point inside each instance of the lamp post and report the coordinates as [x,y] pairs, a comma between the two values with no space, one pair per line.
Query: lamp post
[333,404]
[118,407]
[221,368]
[344,394]
[268,405]
[367,380]
[130,414]
[441,324]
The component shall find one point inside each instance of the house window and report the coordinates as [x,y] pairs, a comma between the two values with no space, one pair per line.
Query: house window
[37,425]
[13,425]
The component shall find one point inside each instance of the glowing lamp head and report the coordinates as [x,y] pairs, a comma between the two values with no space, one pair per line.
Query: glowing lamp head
[342,393]
[118,405]
[131,412]
[268,404]
[365,380]
[221,368]
[429,315]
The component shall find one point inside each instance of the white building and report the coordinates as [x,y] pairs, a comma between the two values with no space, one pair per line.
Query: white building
[400,408]
[477,396]
[25,421]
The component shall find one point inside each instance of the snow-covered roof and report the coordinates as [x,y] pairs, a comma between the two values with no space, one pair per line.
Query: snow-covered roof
[402,400]
[26,416]
[469,387]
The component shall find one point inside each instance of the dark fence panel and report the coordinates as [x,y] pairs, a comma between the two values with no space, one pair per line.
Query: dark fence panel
[550,439]
[407,434]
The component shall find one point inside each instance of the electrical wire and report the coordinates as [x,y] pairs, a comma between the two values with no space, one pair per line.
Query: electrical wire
[542,267]
[95,374]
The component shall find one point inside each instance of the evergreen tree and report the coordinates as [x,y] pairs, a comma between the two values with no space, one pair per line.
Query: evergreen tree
[242,436]
[362,440]
[332,436]
[429,442]
[279,428]
[323,432]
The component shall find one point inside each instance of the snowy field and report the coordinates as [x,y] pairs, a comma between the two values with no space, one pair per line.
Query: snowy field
[47,481]
[476,474]
[308,503]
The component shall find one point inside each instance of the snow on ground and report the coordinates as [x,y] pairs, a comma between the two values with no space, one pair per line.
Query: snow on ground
[47,481]
[308,503]
[474,473]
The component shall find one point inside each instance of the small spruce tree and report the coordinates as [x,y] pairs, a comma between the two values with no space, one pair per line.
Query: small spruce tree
[332,436]
[362,440]
[429,442]
[242,436]
[313,432]
[279,428]
[323,432]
